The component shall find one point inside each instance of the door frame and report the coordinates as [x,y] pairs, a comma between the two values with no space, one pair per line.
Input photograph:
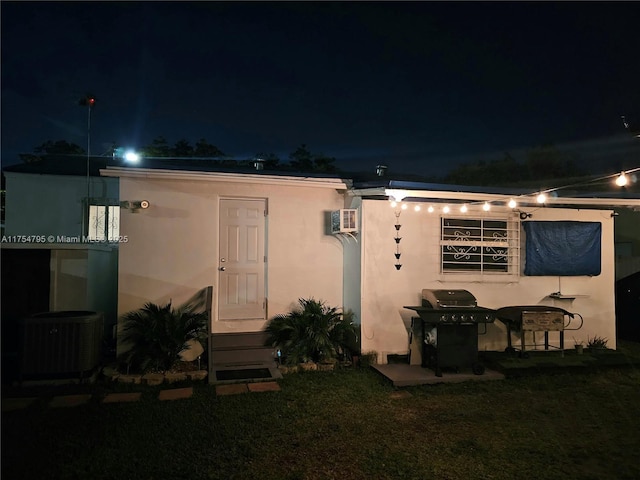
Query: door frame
[231,326]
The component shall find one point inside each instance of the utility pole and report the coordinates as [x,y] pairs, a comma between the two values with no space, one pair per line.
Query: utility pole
[89,101]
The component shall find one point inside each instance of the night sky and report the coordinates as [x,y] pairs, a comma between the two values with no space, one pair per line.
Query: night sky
[418,86]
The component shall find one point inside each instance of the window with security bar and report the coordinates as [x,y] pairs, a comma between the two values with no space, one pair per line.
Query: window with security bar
[104,223]
[479,245]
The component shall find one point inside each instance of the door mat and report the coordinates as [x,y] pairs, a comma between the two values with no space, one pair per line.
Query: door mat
[244,374]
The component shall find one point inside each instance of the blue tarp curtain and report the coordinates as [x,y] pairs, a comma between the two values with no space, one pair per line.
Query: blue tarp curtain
[563,248]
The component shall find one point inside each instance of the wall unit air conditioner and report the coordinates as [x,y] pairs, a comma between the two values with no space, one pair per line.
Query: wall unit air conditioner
[344,220]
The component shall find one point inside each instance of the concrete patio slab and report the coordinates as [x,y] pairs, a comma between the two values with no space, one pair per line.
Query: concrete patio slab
[404,375]
[69,400]
[122,397]
[264,387]
[175,393]
[10,404]
[231,389]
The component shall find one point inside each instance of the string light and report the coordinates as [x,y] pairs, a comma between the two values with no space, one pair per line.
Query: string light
[621,181]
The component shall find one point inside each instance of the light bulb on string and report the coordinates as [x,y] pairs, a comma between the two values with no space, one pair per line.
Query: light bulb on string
[463,208]
[621,181]
[486,207]
[512,203]
[541,198]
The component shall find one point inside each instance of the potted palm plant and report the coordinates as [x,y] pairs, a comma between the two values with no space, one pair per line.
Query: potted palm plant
[596,344]
[157,335]
[313,332]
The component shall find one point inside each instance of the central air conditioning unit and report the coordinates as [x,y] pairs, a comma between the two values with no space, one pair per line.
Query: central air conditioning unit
[344,220]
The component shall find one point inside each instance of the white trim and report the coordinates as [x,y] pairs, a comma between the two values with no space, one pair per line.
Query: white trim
[528,200]
[225,177]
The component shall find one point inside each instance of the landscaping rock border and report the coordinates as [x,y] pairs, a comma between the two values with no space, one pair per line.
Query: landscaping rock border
[154,379]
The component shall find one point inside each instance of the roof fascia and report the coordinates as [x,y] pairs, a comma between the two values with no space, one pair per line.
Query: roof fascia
[418,195]
[226,177]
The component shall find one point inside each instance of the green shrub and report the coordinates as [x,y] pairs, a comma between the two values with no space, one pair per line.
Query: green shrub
[313,332]
[597,342]
[157,334]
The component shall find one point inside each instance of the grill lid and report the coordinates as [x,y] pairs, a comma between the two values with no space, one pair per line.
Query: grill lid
[448,298]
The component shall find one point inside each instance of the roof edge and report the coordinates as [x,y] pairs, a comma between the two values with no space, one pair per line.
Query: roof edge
[153,173]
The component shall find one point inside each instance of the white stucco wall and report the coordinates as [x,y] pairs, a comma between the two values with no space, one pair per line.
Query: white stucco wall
[172,247]
[386,290]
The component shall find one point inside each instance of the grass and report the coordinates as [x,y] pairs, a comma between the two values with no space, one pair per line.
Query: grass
[347,424]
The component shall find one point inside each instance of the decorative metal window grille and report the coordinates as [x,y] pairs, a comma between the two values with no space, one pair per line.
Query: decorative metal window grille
[481,245]
[104,223]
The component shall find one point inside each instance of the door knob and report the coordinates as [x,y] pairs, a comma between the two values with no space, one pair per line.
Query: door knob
[222,269]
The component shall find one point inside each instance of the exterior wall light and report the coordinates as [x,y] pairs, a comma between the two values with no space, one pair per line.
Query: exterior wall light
[131,156]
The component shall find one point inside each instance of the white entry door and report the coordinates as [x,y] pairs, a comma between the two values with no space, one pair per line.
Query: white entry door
[242,260]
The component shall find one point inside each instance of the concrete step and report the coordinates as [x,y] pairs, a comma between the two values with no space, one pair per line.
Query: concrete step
[239,356]
[240,348]
[242,351]
[245,340]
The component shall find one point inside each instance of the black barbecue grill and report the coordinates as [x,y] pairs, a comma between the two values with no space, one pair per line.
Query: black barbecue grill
[536,318]
[447,327]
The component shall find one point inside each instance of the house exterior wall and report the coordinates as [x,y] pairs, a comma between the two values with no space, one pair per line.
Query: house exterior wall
[627,235]
[385,290]
[51,204]
[82,276]
[172,247]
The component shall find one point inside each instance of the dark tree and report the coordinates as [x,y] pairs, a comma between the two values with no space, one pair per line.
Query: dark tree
[541,163]
[324,164]
[183,148]
[205,149]
[547,161]
[59,147]
[159,148]
[302,159]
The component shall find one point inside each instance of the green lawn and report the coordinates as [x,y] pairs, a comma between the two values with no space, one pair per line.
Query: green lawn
[348,424]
